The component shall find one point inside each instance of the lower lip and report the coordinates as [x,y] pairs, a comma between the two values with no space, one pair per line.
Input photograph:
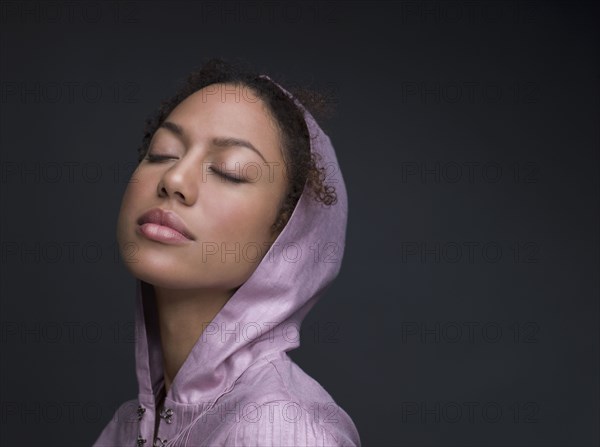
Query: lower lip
[160,233]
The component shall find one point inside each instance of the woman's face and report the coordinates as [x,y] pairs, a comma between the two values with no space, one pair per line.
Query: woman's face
[229,223]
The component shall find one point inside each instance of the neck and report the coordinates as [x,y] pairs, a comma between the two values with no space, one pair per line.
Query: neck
[182,316]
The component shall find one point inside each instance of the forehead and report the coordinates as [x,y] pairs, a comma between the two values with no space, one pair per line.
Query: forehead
[227,110]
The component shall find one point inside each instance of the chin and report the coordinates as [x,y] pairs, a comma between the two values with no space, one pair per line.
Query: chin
[159,281]
[171,277]
[162,278]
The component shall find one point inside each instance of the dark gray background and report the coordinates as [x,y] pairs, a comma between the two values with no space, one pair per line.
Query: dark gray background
[466,311]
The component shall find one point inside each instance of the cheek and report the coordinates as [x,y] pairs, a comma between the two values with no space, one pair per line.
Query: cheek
[131,202]
[244,219]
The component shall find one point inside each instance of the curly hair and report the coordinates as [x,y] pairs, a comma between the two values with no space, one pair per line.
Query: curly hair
[302,165]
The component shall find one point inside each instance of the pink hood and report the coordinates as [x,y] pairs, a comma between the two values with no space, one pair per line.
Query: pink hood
[238,386]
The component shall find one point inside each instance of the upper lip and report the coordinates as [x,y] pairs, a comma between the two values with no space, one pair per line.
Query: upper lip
[166,218]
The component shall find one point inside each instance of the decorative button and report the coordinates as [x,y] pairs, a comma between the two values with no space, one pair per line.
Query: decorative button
[167,415]
[140,441]
[160,442]
[140,412]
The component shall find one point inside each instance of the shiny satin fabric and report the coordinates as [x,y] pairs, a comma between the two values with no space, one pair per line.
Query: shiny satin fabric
[238,386]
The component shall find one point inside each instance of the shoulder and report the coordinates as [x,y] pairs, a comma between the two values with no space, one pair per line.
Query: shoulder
[286,423]
[276,403]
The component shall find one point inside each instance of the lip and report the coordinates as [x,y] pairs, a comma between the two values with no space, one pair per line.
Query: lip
[164,226]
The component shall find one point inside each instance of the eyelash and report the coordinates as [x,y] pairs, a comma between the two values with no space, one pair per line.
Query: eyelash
[160,158]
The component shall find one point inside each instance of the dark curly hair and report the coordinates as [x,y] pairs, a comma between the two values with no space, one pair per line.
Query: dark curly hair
[301,164]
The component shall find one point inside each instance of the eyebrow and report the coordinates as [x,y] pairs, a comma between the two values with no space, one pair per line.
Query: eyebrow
[217,141]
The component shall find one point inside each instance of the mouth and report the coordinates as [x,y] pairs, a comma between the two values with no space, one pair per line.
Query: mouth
[164,226]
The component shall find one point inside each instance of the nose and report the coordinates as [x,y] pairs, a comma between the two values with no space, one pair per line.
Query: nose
[180,181]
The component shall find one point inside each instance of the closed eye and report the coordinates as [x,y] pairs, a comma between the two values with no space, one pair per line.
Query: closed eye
[161,158]
[227,177]
[157,158]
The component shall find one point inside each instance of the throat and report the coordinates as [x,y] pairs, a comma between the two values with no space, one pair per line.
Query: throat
[182,317]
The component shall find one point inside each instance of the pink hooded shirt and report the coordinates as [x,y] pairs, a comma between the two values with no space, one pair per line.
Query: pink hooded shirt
[238,386]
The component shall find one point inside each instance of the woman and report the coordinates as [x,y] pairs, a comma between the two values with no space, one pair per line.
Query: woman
[233,224]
